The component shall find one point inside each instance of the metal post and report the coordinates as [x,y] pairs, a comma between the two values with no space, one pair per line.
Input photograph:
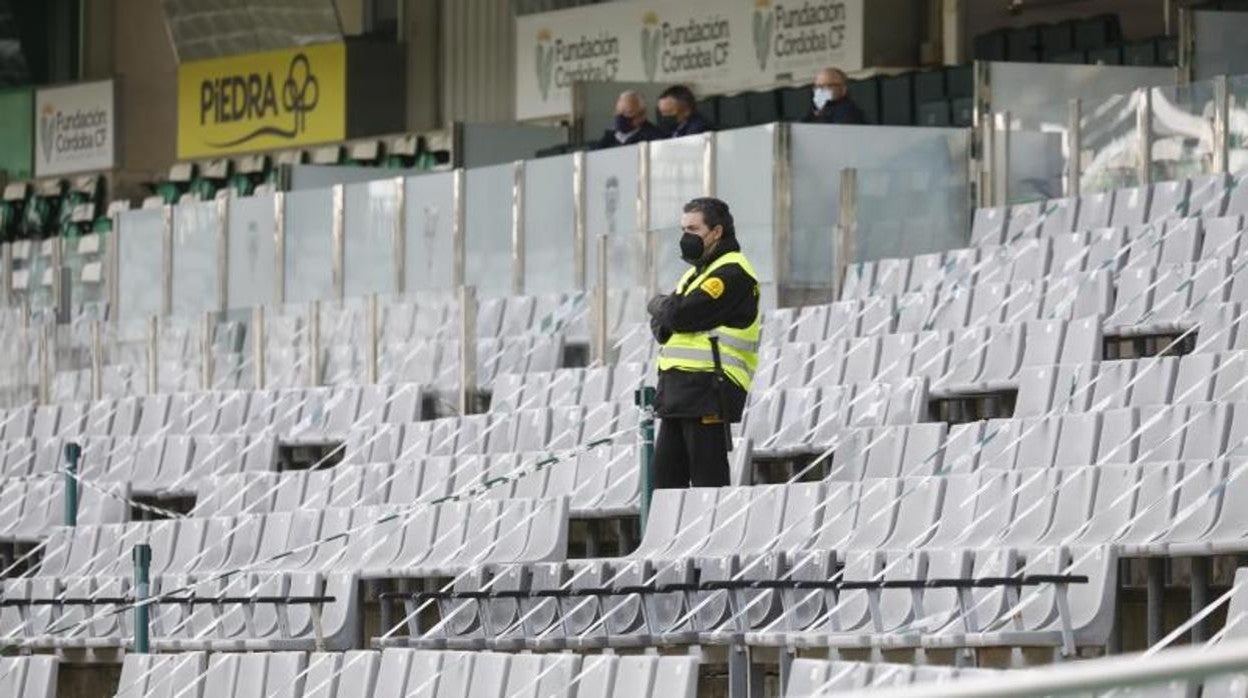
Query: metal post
[223,254]
[1144,129]
[399,240]
[1074,146]
[6,274]
[113,258]
[467,348]
[644,398]
[97,362]
[142,582]
[846,230]
[1155,604]
[166,267]
[258,348]
[647,274]
[374,337]
[279,247]
[1187,47]
[601,340]
[338,233]
[153,354]
[517,228]
[708,163]
[1002,165]
[59,303]
[73,454]
[205,352]
[1200,598]
[314,344]
[458,190]
[1221,125]
[781,201]
[45,364]
[580,233]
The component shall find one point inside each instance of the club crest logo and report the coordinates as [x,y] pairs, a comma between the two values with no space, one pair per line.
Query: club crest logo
[545,61]
[764,21]
[47,130]
[650,39]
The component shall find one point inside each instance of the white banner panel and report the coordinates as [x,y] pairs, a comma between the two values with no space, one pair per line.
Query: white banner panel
[75,128]
[715,45]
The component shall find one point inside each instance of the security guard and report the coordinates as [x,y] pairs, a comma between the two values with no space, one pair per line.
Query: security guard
[709,332]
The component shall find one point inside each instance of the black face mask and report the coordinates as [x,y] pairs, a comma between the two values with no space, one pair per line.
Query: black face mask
[624,124]
[691,248]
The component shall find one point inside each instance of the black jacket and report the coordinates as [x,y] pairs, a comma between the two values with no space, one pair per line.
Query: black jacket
[646,132]
[689,394]
[696,123]
[837,111]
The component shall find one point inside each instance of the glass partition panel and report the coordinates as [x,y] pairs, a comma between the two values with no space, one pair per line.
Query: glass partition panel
[252,252]
[487,219]
[1237,123]
[1037,164]
[140,246]
[1111,143]
[309,255]
[372,209]
[913,194]
[744,168]
[195,282]
[1182,123]
[611,210]
[1218,39]
[429,204]
[86,263]
[677,174]
[549,225]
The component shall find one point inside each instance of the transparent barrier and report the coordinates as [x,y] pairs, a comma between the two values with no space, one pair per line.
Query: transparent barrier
[745,168]
[195,241]
[309,258]
[1111,143]
[549,225]
[252,234]
[86,262]
[487,229]
[1218,43]
[677,174]
[429,231]
[372,217]
[1237,123]
[1182,126]
[611,210]
[140,260]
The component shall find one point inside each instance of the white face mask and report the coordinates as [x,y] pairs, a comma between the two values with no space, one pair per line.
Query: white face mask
[822,96]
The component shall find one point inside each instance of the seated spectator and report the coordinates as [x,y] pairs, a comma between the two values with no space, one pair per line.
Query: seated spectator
[631,124]
[832,103]
[678,113]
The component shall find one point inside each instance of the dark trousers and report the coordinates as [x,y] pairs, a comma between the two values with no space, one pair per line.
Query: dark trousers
[688,451]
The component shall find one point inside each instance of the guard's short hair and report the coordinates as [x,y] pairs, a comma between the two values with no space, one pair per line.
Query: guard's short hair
[714,212]
[681,94]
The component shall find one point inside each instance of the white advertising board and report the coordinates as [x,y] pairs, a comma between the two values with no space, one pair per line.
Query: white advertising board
[715,45]
[75,128]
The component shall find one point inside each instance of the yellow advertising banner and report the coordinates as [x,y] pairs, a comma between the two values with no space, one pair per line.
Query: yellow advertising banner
[262,101]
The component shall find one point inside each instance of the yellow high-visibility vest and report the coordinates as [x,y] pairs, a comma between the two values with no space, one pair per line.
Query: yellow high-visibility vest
[738,347]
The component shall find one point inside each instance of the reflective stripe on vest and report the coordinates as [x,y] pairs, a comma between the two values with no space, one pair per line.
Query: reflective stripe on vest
[738,347]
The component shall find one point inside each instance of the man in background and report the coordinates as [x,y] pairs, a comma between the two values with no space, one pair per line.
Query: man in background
[678,113]
[631,125]
[832,103]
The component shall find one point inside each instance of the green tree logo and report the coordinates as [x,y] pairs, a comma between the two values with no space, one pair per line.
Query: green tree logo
[650,38]
[545,62]
[764,20]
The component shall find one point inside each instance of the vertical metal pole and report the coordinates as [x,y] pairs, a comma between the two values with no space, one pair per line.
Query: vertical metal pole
[258,348]
[781,201]
[647,276]
[374,337]
[1155,604]
[1221,125]
[601,343]
[223,254]
[846,230]
[153,354]
[1199,597]
[1074,146]
[45,364]
[467,348]
[338,233]
[6,274]
[1187,47]
[97,362]
[458,192]
[60,304]
[644,398]
[205,351]
[314,344]
[517,228]
[1003,165]
[73,455]
[1144,129]
[981,134]
[399,240]
[112,257]
[580,223]
[279,247]
[709,163]
[142,588]
[166,266]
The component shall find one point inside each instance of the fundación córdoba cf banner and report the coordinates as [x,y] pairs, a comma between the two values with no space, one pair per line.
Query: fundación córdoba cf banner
[75,128]
[716,45]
